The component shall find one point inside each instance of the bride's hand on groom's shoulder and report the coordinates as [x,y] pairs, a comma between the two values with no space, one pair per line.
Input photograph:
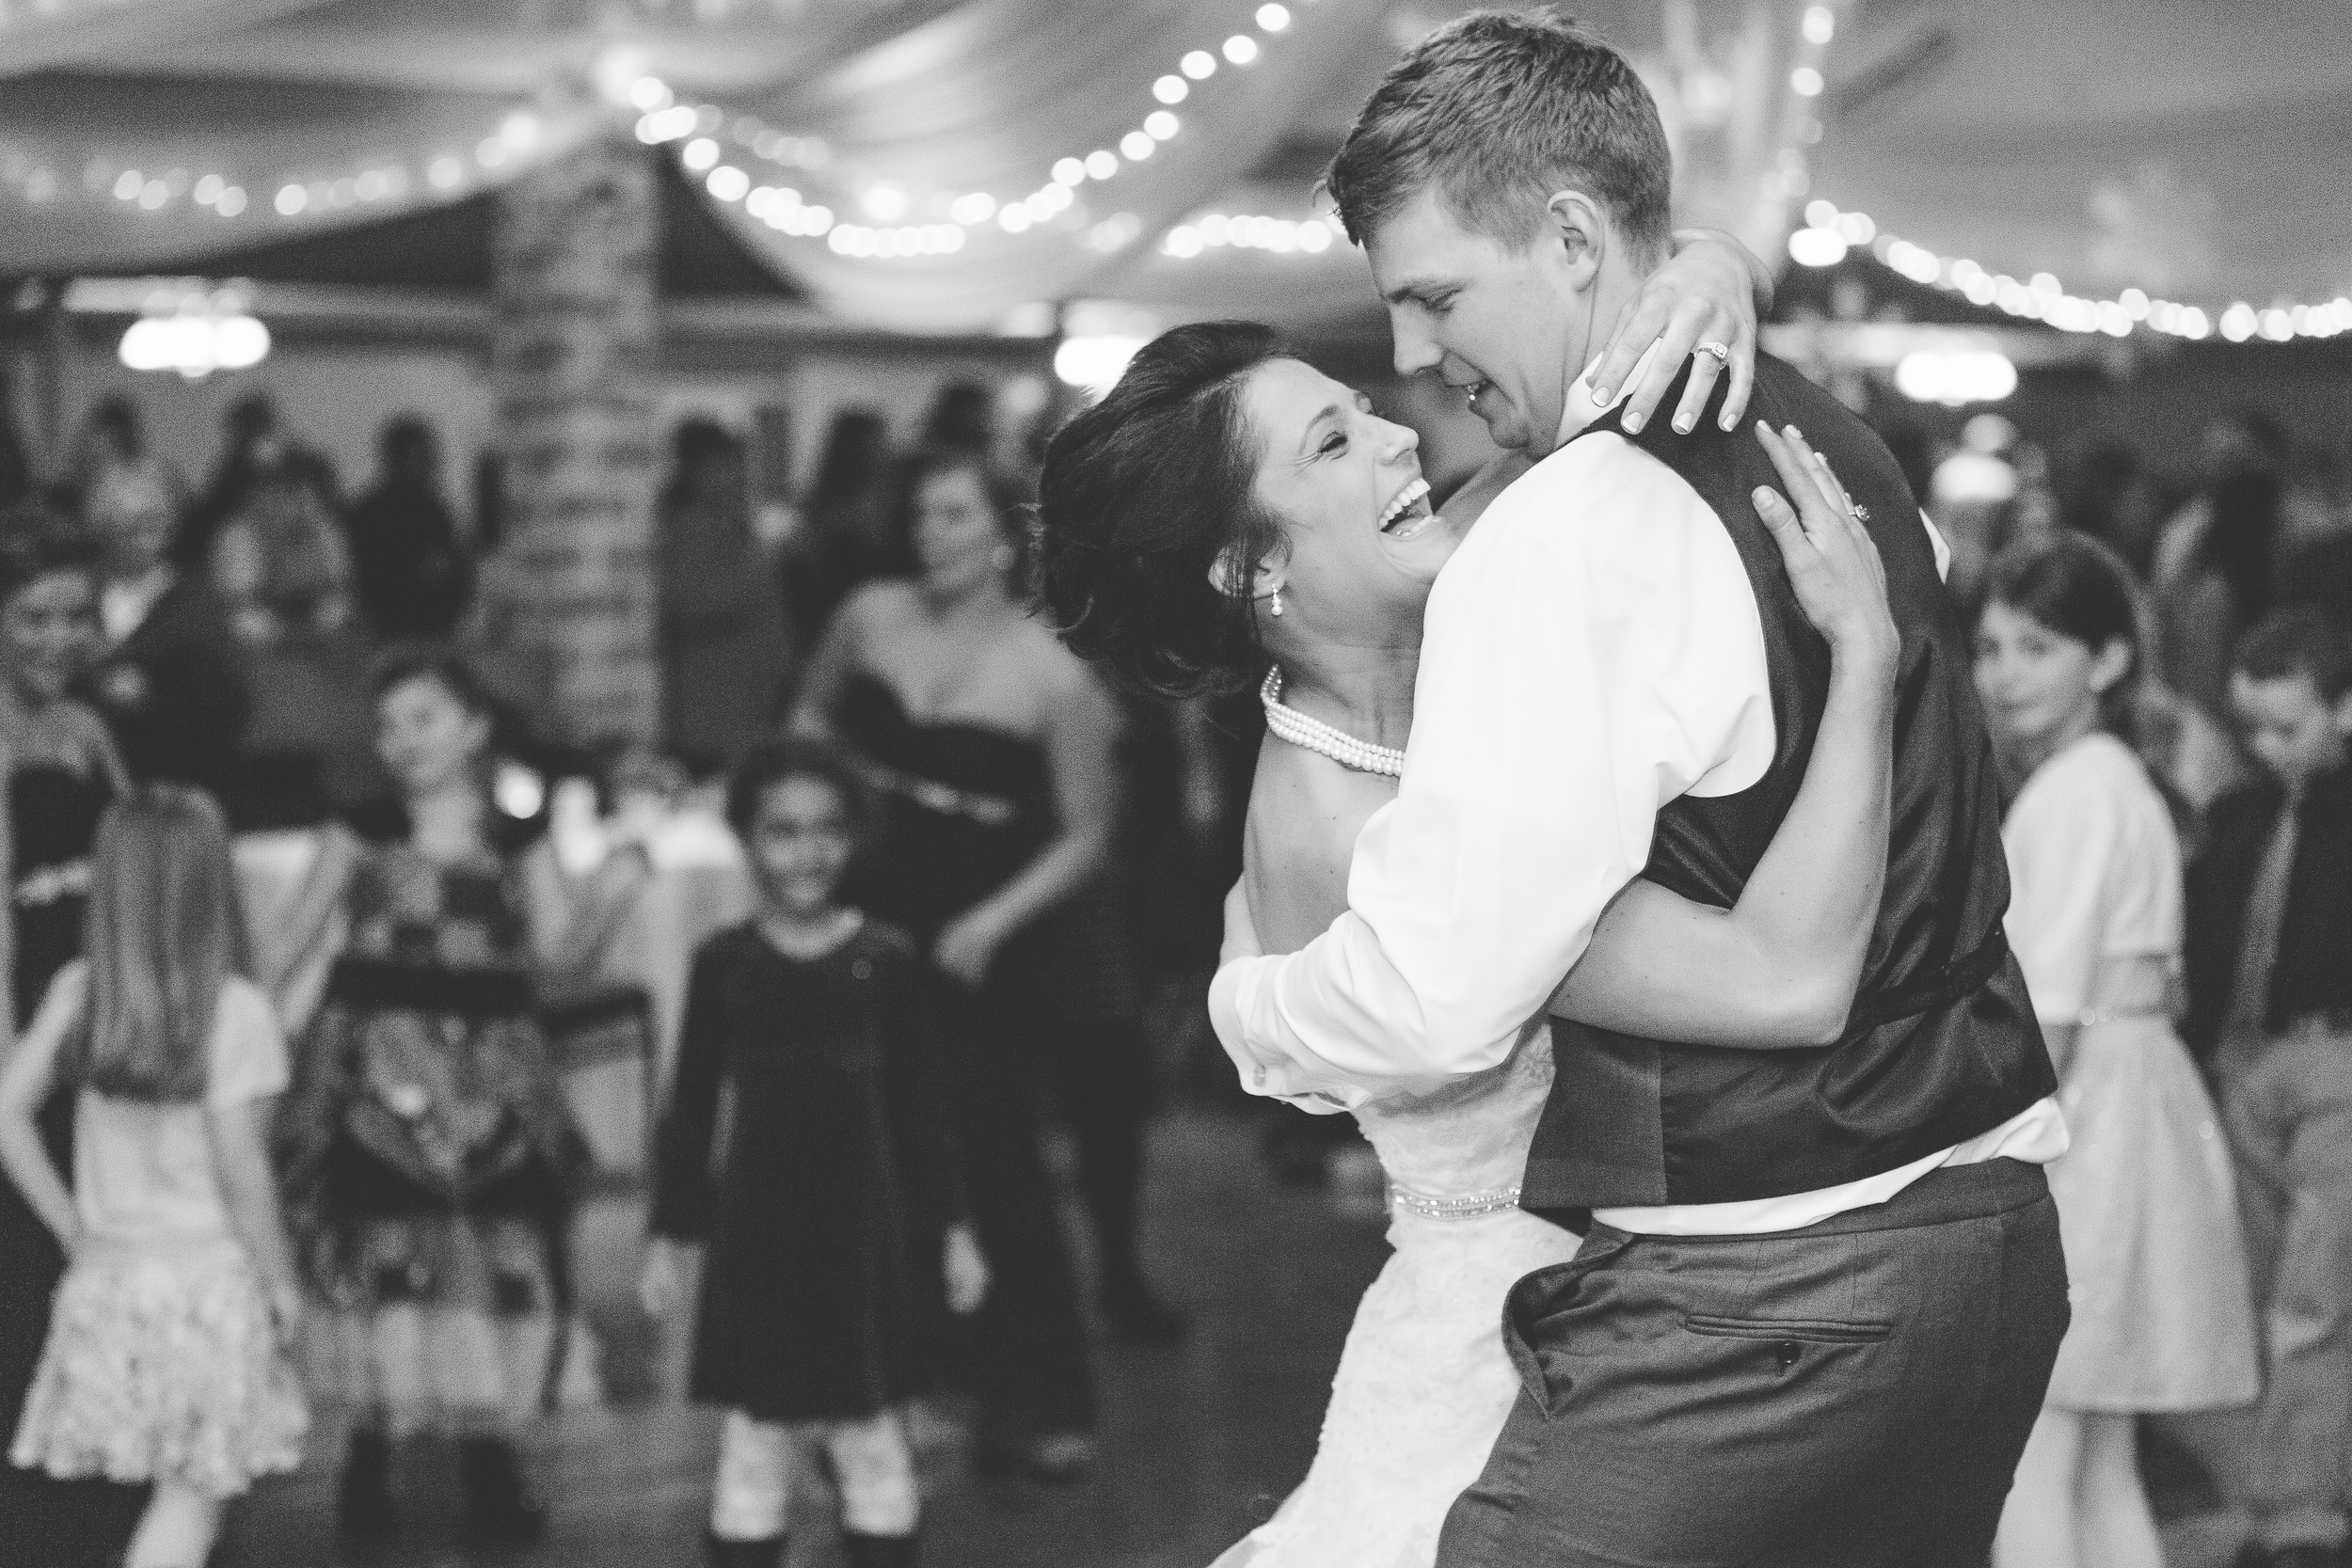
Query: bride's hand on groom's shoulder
[1706,294]
[1832,563]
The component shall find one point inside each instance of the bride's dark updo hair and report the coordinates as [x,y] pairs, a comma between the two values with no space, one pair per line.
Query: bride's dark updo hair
[1141,493]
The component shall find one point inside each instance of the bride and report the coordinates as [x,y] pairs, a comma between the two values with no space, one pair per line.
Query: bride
[1228,512]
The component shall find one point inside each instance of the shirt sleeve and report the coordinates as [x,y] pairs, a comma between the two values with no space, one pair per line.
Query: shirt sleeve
[1592,652]
[2060,845]
[248,1059]
[683,1192]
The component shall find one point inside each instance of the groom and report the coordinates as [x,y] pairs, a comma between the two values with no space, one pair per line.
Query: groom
[1821,1288]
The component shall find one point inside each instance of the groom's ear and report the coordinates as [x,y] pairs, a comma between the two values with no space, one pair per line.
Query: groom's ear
[1578,226]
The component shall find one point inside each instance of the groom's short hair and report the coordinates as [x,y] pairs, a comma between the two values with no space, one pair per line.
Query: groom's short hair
[1498,110]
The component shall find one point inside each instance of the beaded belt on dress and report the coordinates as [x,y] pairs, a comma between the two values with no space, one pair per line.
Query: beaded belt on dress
[989,811]
[1470,1205]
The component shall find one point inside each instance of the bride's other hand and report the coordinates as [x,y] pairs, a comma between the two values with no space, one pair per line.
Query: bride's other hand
[1834,566]
[1707,292]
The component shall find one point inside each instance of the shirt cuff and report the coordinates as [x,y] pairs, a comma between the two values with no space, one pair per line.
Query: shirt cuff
[1233,998]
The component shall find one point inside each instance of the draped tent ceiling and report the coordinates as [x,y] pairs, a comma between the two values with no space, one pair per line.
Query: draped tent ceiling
[2192,150]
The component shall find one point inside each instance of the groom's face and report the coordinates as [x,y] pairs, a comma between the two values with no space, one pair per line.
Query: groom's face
[1496,320]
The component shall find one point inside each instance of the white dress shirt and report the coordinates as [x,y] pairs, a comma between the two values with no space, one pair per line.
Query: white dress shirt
[1591,653]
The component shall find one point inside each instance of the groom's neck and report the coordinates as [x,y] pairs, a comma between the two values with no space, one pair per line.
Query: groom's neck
[1620,279]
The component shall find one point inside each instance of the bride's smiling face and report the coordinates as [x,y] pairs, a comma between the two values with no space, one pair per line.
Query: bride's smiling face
[1346,490]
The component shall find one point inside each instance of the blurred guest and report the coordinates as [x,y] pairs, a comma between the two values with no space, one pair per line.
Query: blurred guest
[2222,587]
[282,567]
[2312,498]
[2155,1266]
[409,566]
[963,419]
[490,501]
[431,1159]
[846,537]
[2216,557]
[726,653]
[280,562]
[2108,495]
[250,444]
[994,748]
[113,440]
[61,773]
[16,467]
[2270,999]
[2317,569]
[170,676]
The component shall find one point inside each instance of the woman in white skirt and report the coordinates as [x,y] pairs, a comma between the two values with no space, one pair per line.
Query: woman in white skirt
[165,1357]
[2155,1262]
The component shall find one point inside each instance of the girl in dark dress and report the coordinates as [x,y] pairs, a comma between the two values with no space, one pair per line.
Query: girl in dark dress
[61,773]
[833,1208]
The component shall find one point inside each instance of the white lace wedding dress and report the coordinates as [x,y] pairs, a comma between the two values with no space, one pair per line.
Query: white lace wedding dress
[1424,1383]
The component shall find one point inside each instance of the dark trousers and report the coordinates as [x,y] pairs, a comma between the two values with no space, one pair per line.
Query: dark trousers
[1025,1353]
[1852,1395]
[2288,1104]
[1103,1083]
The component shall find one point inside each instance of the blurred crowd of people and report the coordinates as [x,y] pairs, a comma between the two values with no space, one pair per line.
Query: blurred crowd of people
[926,790]
[2251,522]
[2166,667]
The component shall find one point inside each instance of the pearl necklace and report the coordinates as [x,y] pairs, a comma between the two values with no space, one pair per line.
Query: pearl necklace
[1315,736]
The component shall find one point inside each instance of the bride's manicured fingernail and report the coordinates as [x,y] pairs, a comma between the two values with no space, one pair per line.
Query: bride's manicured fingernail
[1683,424]
[1632,423]
[1601,394]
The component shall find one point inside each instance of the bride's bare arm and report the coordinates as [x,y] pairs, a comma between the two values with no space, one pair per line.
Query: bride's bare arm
[1778,969]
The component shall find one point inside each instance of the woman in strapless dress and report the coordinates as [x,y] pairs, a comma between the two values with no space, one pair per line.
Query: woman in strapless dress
[1340,551]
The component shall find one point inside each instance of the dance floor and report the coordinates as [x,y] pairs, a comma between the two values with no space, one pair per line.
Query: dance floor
[1199,1441]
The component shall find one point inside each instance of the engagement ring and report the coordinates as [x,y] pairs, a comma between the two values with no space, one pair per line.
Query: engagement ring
[1720,351]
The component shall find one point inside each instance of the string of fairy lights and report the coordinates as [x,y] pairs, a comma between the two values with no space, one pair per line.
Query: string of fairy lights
[1788,178]
[893,221]
[1829,235]
[185,185]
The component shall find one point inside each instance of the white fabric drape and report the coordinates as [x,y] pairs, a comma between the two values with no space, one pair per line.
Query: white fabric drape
[2191,150]
[41,34]
[988,97]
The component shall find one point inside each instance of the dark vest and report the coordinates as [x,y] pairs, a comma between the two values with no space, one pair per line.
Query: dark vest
[1941,1043]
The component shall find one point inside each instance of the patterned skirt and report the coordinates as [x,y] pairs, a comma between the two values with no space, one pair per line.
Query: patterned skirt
[446,1323]
[162,1365]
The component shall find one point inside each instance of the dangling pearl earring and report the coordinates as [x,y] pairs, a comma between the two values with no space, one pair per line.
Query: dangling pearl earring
[1277,606]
